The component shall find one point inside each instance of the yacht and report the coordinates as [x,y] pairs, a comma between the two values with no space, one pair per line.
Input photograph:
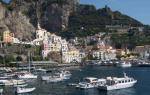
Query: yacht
[14,82]
[24,90]
[54,78]
[20,85]
[26,75]
[113,83]
[90,82]
[66,74]
[124,64]
[63,75]
[7,81]
[1,91]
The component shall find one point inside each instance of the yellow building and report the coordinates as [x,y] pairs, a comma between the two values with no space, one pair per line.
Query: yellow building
[120,52]
[71,56]
[8,37]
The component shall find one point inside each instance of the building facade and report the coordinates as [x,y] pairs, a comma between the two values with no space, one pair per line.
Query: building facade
[8,37]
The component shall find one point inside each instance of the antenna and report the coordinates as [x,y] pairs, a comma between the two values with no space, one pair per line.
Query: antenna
[125,75]
[37,14]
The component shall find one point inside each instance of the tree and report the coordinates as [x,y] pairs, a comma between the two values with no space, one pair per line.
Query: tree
[19,58]
[37,58]
[9,58]
[1,59]
[56,56]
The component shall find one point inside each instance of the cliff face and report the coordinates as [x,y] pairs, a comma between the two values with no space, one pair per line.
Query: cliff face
[21,16]
[56,13]
[16,22]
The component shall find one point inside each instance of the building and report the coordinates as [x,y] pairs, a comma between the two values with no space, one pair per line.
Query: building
[72,55]
[54,43]
[118,28]
[41,35]
[8,37]
[143,51]
[103,52]
[107,54]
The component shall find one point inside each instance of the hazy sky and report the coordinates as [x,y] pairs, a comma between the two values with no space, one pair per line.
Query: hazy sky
[139,9]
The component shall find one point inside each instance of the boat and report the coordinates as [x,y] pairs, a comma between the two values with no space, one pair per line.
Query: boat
[66,74]
[24,90]
[26,75]
[63,75]
[20,85]
[10,82]
[90,82]
[41,70]
[113,83]
[13,82]
[124,64]
[1,91]
[54,78]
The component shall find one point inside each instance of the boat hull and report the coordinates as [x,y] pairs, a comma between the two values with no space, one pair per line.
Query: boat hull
[28,77]
[25,90]
[117,86]
[124,65]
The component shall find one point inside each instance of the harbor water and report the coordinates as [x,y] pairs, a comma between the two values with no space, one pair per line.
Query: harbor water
[141,74]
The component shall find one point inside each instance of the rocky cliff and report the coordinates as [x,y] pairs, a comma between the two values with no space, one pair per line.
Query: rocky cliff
[21,16]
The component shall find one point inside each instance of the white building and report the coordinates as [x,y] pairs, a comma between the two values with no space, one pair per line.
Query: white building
[54,43]
[104,52]
[41,35]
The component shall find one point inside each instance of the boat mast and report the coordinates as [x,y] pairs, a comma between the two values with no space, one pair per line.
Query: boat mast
[29,56]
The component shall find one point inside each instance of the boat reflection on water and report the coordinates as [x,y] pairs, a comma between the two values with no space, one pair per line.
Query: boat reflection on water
[127,91]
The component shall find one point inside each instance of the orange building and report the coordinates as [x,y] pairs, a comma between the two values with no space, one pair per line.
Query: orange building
[8,37]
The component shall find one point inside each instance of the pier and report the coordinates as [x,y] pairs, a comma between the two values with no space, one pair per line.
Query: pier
[45,64]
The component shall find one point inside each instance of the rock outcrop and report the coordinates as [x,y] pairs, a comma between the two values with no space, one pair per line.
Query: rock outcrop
[21,16]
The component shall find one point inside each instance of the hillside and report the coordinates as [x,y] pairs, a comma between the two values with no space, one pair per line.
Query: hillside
[66,18]
[88,20]
[21,16]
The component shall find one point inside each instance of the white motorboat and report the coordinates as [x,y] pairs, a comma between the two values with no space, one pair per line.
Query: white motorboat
[13,82]
[1,91]
[90,82]
[124,64]
[20,85]
[53,78]
[9,82]
[24,90]
[41,70]
[63,75]
[113,83]
[26,75]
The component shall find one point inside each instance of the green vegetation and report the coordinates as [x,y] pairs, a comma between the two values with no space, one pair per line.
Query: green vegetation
[19,58]
[131,39]
[89,21]
[9,58]
[37,58]
[1,59]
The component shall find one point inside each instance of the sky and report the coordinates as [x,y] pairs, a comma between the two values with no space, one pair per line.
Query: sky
[138,9]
